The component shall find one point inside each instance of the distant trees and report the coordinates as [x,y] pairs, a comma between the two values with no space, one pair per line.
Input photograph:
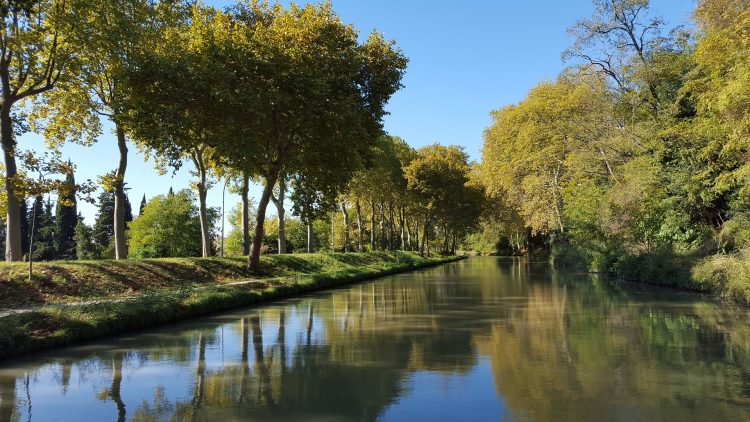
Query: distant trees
[169,227]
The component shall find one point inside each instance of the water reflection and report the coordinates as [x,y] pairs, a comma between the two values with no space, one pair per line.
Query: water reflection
[487,338]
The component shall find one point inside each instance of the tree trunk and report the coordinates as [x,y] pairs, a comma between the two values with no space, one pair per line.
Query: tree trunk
[416,234]
[360,241]
[372,225]
[345,213]
[408,235]
[391,228]
[424,236]
[31,237]
[245,213]
[13,250]
[401,226]
[121,250]
[197,155]
[309,238]
[253,260]
[279,202]
[382,226]
[333,231]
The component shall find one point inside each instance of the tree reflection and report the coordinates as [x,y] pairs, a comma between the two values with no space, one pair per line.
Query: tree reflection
[559,346]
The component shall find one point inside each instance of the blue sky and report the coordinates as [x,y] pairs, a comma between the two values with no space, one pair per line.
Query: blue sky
[466,59]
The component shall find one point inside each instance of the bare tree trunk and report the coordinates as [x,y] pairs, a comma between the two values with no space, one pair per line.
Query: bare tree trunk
[253,260]
[279,202]
[416,234]
[13,250]
[391,228]
[245,212]
[424,236]
[360,240]
[309,238]
[408,235]
[333,231]
[401,226]
[372,225]
[121,249]
[345,213]
[202,187]
[382,226]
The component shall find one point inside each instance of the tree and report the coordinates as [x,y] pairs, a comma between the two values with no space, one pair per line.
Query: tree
[84,242]
[143,204]
[319,97]
[436,178]
[168,227]
[620,41]
[104,225]
[112,35]
[38,55]
[177,98]
[42,240]
[66,219]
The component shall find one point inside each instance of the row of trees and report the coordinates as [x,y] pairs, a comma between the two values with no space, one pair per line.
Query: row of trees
[284,96]
[639,148]
[402,199]
[256,91]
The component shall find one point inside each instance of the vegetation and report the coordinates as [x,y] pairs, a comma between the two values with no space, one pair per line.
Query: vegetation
[634,160]
[160,291]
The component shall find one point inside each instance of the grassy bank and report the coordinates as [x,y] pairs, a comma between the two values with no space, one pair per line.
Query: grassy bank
[160,291]
[726,276]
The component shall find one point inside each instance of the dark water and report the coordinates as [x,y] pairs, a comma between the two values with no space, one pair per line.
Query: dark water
[482,339]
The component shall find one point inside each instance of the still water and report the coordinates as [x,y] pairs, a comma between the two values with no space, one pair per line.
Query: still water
[481,339]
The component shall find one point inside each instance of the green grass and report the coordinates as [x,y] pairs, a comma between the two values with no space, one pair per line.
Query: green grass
[725,275]
[172,296]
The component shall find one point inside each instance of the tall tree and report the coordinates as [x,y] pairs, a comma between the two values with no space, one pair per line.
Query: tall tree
[37,55]
[66,219]
[114,33]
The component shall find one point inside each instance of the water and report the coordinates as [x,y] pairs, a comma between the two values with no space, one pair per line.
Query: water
[481,339]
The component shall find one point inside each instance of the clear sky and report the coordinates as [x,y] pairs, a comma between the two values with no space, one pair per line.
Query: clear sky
[466,59]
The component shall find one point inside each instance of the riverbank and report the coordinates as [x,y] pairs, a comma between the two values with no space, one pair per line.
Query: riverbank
[725,276]
[71,302]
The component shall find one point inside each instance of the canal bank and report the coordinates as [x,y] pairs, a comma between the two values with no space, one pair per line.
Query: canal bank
[120,298]
[483,339]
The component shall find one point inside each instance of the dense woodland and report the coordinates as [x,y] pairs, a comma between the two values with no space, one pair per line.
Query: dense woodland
[635,159]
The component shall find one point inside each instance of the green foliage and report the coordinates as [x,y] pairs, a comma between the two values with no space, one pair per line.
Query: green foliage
[635,160]
[104,225]
[66,219]
[168,227]
[85,247]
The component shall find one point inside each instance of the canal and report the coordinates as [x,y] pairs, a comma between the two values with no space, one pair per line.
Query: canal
[480,339]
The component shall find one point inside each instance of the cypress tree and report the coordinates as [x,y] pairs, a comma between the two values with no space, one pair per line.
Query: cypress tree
[66,219]
[104,225]
[43,223]
[143,205]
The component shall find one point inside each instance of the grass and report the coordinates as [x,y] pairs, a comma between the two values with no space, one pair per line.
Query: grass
[726,275]
[163,290]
